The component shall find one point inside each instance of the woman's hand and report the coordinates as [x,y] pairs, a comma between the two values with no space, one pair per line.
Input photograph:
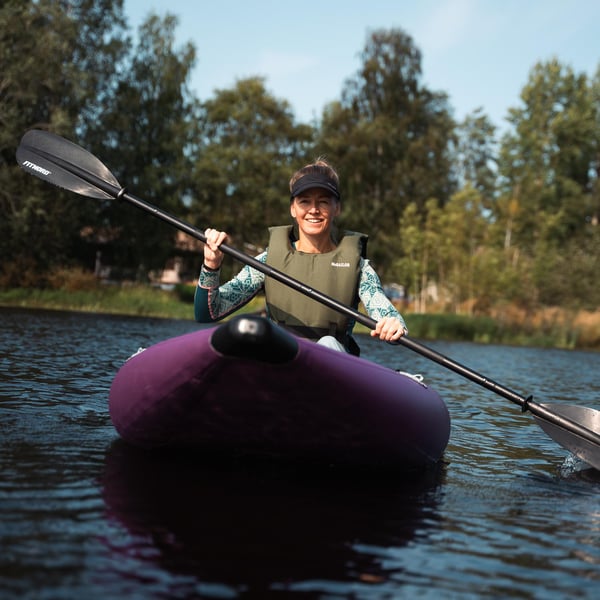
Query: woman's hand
[389,329]
[213,257]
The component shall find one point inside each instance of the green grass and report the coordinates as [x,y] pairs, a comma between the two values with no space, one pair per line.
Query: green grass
[141,301]
[486,330]
[453,327]
[146,301]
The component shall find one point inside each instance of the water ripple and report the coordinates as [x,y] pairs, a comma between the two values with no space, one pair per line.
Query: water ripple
[509,513]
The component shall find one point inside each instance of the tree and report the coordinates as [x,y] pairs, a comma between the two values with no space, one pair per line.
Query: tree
[422,243]
[546,161]
[476,154]
[146,136]
[549,170]
[250,146]
[465,248]
[46,50]
[391,138]
[595,166]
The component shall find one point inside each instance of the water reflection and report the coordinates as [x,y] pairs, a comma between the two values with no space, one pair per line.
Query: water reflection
[262,527]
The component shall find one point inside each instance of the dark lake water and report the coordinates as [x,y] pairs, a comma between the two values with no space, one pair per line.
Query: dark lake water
[507,514]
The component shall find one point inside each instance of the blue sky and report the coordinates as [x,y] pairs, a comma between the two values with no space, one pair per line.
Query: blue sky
[479,52]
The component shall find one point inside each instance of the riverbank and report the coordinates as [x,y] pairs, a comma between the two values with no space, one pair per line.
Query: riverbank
[549,328]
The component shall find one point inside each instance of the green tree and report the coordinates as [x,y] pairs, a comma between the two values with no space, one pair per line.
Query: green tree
[420,266]
[391,137]
[476,154]
[464,246]
[567,276]
[47,48]
[549,169]
[249,147]
[546,161]
[595,167]
[146,136]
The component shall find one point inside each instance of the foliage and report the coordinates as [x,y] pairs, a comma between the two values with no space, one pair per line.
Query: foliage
[546,162]
[454,327]
[475,160]
[248,149]
[185,293]
[54,56]
[548,193]
[72,280]
[391,139]
[135,300]
[149,152]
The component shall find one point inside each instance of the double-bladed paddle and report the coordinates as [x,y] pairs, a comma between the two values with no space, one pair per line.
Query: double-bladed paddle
[67,165]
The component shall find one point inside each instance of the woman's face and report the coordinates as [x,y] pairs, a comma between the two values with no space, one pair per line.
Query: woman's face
[314,211]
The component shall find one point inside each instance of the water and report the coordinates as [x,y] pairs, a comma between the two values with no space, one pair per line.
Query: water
[507,514]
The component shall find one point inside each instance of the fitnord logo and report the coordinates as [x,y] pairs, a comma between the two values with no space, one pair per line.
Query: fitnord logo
[37,168]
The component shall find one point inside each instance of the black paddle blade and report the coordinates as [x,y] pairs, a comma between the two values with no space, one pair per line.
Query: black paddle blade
[66,165]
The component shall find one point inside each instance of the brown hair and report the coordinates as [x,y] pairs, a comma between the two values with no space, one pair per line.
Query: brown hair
[320,165]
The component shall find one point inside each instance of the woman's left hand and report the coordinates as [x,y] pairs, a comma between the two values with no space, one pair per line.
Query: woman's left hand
[389,329]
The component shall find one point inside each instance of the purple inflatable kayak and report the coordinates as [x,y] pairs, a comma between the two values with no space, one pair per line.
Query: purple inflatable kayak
[249,387]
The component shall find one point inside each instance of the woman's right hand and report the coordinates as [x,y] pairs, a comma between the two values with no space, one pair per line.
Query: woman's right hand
[213,257]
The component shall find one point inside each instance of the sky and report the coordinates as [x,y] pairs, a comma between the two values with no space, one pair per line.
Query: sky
[479,52]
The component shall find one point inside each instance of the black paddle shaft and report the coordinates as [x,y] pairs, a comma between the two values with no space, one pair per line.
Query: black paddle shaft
[525,403]
[111,187]
[67,165]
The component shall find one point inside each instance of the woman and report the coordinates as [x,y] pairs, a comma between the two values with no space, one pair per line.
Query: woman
[309,252]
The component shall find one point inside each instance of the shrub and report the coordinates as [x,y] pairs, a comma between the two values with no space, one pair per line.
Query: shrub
[71,280]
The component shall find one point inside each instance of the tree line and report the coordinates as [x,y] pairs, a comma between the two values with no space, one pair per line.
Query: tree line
[455,212]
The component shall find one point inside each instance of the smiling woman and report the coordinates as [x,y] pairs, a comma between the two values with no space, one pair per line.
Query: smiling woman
[314,211]
[315,202]
[310,252]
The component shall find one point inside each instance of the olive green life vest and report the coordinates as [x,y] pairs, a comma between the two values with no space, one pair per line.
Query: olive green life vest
[335,274]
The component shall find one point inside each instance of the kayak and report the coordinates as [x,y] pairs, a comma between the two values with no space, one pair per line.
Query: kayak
[248,387]
[275,391]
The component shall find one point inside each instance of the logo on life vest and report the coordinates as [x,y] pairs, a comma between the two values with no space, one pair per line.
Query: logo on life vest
[340,264]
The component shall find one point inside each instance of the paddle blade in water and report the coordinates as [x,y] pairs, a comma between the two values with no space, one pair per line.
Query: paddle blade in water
[66,165]
[589,418]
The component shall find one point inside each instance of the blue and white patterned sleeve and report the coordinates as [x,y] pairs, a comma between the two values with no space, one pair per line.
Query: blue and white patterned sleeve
[212,301]
[371,294]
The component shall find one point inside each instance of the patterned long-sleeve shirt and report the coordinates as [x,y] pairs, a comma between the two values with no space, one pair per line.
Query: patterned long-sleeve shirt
[213,301]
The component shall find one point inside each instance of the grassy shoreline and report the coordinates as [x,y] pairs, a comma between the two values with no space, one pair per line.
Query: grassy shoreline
[549,328]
